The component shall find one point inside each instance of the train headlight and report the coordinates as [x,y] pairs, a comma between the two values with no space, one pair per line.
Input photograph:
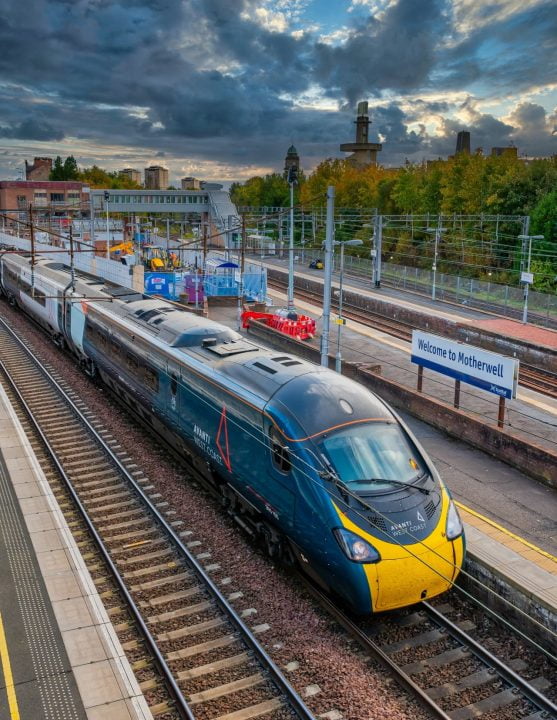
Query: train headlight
[356,548]
[454,523]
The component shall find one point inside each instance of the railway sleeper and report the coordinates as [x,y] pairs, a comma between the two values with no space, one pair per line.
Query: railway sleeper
[476,679]
[425,638]
[142,572]
[209,668]
[189,630]
[128,535]
[181,612]
[444,658]
[124,514]
[158,583]
[121,494]
[226,689]
[147,557]
[494,702]
[254,711]
[203,648]
[91,487]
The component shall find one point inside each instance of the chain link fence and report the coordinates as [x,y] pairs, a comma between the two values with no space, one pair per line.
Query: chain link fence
[501,299]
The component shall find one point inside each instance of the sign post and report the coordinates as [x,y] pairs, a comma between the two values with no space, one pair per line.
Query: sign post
[489,371]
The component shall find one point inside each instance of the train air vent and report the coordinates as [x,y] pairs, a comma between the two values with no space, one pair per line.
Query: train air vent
[378,522]
[148,314]
[209,342]
[291,362]
[430,509]
[281,358]
[266,368]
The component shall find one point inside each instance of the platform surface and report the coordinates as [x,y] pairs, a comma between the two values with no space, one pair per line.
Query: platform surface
[60,656]
[521,331]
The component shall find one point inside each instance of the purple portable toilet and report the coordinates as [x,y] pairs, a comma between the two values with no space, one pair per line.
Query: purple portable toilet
[191,284]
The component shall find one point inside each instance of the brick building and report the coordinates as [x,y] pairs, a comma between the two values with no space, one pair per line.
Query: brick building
[46,197]
[39,170]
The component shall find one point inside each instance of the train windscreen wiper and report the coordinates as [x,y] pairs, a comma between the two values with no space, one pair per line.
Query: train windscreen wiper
[365,481]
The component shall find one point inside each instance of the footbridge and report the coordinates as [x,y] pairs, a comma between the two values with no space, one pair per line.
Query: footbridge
[211,204]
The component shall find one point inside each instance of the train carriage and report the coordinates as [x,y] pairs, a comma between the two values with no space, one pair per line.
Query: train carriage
[315,465]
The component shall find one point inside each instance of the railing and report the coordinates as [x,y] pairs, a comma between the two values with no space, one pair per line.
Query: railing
[470,292]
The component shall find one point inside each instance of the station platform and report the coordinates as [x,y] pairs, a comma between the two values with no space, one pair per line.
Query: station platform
[458,313]
[60,657]
[520,331]
[531,414]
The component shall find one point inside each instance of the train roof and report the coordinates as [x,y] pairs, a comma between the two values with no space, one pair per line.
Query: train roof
[173,326]
[326,400]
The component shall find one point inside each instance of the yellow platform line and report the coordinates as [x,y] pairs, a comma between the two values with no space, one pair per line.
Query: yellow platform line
[505,531]
[7,668]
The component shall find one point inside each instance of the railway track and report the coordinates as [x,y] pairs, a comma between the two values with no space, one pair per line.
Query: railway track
[436,658]
[195,655]
[542,381]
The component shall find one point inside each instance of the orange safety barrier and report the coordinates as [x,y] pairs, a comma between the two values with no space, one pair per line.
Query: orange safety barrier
[303,328]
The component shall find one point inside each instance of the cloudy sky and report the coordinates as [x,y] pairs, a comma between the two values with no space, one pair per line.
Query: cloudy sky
[220,88]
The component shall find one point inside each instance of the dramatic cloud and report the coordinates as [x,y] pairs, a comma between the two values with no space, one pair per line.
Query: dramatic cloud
[214,85]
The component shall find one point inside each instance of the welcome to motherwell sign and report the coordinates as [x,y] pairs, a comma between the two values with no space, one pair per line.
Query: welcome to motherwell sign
[489,371]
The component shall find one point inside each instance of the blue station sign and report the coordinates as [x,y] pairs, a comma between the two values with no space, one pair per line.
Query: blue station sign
[489,371]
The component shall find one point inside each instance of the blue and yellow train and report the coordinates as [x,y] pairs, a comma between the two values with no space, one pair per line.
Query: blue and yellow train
[320,469]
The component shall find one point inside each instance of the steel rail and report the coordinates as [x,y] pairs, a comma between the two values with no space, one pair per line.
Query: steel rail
[371,646]
[508,674]
[280,681]
[162,666]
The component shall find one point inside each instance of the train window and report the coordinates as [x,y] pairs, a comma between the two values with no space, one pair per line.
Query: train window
[280,453]
[131,363]
[39,296]
[114,347]
[173,384]
[151,379]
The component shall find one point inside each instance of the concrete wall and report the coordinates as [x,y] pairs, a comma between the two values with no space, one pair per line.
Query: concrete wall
[527,457]
[526,352]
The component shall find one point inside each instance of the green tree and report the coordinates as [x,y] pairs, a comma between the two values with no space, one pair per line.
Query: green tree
[544,219]
[57,172]
[269,191]
[71,171]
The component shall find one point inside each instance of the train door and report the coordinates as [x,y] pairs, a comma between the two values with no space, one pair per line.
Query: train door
[278,483]
[173,394]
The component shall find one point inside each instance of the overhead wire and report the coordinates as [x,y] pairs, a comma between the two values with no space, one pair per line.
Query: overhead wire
[261,438]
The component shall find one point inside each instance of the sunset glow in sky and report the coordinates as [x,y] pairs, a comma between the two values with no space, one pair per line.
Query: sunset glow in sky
[220,88]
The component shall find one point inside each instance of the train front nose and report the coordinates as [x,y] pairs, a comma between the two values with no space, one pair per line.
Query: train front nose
[415,574]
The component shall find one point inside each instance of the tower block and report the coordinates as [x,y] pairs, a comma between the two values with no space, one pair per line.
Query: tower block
[363,152]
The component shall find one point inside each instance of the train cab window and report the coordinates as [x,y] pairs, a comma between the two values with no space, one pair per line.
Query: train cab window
[151,379]
[173,384]
[279,453]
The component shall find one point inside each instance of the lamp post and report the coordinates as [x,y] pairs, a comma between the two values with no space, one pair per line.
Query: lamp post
[527,276]
[340,319]
[292,179]
[106,199]
[438,230]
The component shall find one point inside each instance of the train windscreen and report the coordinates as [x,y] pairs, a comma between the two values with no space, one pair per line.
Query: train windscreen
[373,457]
